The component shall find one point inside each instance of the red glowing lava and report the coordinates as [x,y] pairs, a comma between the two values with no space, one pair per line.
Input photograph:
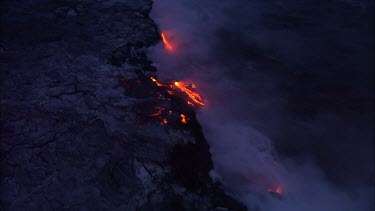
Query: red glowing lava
[164,122]
[167,44]
[183,119]
[187,88]
[158,111]
[194,96]
[156,82]
[190,103]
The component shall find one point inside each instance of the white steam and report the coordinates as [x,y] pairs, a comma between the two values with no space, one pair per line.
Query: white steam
[202,33]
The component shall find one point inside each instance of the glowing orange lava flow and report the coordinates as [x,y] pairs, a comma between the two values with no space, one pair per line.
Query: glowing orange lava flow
[156,82]
[184,87]
[194,96]
[167,45]
[183,119]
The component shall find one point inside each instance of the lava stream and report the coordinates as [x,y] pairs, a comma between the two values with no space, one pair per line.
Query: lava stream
[167,44]
[184,87]
[156,82]
[194,96]
[190,103]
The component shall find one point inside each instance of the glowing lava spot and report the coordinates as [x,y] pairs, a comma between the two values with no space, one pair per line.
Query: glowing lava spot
[170,92]
[279,190]
[164,122]
[194,96]
[158,111]
[183,119]
[156,82]
[167,44]
[190,103]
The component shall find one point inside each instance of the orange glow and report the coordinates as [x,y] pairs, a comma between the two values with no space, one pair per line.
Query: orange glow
[170,92]
[183,119]
[158,112]
[164,121]
[194,96]
[167,44]
[156,82]
[190,103]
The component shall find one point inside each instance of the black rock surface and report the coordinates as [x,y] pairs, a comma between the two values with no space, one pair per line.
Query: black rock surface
[73,137]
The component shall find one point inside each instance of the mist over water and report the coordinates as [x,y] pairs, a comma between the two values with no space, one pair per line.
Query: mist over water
[288,91]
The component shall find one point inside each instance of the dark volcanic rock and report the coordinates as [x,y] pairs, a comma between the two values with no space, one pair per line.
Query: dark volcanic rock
[74,135]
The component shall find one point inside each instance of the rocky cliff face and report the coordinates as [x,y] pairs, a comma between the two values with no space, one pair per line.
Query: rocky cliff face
[76,129]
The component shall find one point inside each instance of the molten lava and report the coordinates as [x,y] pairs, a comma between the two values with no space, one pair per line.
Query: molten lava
[158,111]
[170,92]
[156,82]
[190,103]
[194,96]
[167,44]
[183,119]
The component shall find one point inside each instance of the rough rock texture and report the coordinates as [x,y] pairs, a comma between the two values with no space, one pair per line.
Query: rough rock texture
[74,135]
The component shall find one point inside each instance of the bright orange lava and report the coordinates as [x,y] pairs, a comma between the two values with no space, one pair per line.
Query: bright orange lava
[184,87]
[194,96]
[156,82]
[183,119]
[167,44]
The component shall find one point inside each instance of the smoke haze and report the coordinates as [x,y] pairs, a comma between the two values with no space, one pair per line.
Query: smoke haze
[289,94]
